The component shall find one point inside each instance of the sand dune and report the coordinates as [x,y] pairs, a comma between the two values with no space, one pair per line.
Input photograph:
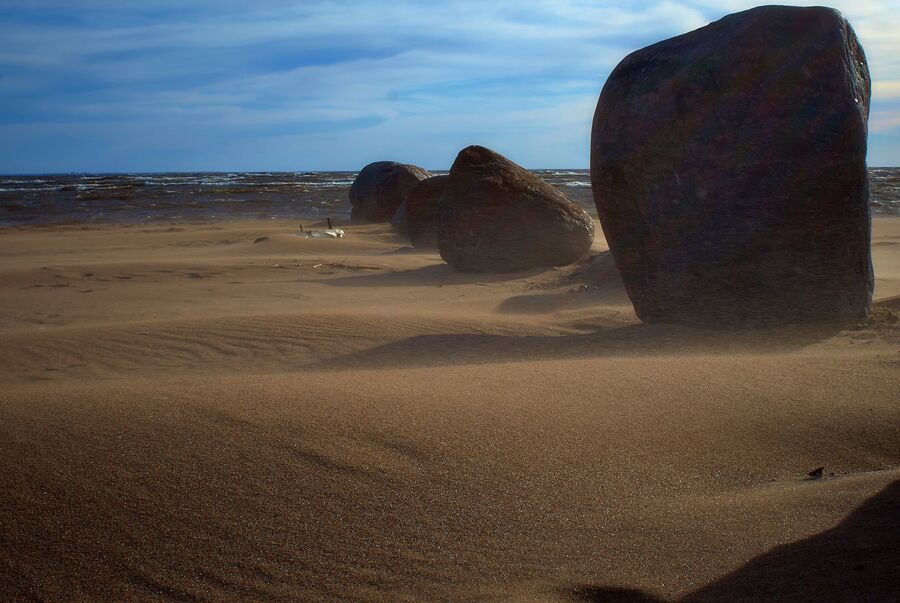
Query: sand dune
[190,413]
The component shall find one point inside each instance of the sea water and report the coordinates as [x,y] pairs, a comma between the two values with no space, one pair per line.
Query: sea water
[190,197]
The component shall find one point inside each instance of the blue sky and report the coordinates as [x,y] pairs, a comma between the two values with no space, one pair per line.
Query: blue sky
[174,85]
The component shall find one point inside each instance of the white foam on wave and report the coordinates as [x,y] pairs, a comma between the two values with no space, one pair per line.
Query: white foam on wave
[569,173]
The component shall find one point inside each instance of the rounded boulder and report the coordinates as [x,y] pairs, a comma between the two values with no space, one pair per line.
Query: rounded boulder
[728,166]
[496,216]
[422,206]
[380,188]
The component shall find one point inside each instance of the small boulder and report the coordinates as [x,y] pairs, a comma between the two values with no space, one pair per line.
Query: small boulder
[399,221]
[422,211]
[728,167]
[496,216]
[380,188]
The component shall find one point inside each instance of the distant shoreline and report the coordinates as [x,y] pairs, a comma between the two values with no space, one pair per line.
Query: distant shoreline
[202,196]
[187,197]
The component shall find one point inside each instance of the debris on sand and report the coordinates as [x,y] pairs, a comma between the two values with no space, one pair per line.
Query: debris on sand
[331,233]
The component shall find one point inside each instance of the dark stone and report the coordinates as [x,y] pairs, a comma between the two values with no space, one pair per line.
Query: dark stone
[728,169]
[399,221]
[422,211]
[380,188]
[498,217]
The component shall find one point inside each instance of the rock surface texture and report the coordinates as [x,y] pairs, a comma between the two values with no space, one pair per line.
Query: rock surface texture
[496,216]
[422,211]
[380,189]
[399,221]
[728,169]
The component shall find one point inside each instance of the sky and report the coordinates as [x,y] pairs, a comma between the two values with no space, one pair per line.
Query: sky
[265,85]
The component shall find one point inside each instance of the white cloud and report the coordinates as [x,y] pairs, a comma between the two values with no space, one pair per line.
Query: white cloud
[886,90]
[884,120]
[406,72]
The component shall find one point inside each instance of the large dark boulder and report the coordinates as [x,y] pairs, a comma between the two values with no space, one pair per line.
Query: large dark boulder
[422,204]
[728,169]
[498,217]
[380,188]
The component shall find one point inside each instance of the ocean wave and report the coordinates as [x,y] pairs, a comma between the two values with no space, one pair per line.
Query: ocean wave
[567,173]
[204,196]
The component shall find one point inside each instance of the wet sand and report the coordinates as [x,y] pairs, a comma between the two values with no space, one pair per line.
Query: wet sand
[228,411]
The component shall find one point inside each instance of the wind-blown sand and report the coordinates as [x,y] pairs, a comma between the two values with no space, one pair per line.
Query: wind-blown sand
[180,419]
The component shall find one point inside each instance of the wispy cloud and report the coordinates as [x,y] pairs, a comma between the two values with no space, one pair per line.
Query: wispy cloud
[274,84]
[886,90]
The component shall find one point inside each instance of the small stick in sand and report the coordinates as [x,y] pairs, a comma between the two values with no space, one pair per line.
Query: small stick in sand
[301,228]
[330,227]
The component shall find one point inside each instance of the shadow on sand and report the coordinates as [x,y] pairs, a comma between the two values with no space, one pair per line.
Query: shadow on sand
[432,275]
[547,303]
[859,560]
[630,340]
[594,268]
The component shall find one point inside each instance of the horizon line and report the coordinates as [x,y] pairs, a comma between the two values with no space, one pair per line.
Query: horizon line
[138,173]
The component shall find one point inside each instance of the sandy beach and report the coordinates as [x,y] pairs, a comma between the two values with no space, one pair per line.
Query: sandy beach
[229,411]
